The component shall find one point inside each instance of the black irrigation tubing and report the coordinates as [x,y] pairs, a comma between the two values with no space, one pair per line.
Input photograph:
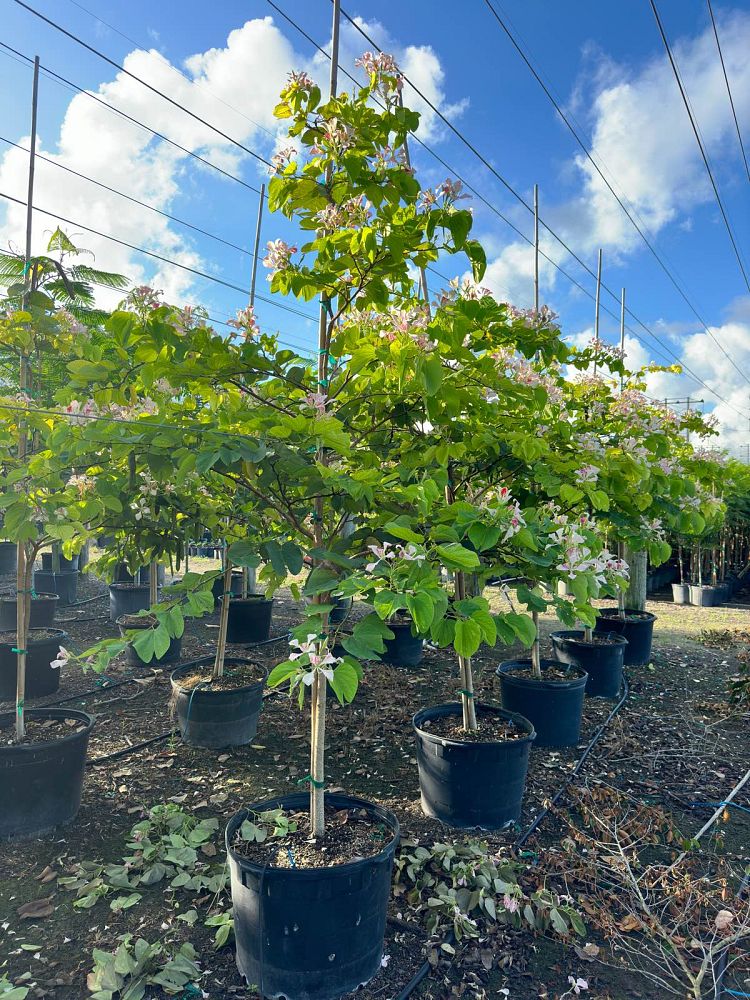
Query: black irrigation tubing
[521,840]
[93,761]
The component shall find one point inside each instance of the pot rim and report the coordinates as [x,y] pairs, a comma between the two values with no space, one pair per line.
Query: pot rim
[8,599]
[250,599]
[507,667]
[301,799]
[202,691]
[572,635]
[643,616]
[59,572]
[54,713]
[59,633]
[125,585]
[455,709]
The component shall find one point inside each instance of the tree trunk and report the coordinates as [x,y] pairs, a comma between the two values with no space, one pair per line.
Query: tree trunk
[635,596]
[536,662]
[221,642]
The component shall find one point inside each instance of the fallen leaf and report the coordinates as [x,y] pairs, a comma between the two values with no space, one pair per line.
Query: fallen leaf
[588,952]
[48,874]
[209,850]
[36,908]
[629,923]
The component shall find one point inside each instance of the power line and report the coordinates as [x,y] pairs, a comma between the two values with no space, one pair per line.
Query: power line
[489,166]
[729,89]
[159,135]
[133,76]
[639,229]
[135,201]
[160,257]
[698,139]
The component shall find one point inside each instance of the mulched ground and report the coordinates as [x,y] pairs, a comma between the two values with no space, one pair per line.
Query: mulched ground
[675,743]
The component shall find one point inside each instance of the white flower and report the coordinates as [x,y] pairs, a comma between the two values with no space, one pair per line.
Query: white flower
[384,961]
[723,920]
[578,985]
[62,658]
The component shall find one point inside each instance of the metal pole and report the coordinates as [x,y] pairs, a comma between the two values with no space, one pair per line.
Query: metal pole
[257,244]
[687,414]
[622,333]
[598,296]
[536,250]
[23,571]
[422,271]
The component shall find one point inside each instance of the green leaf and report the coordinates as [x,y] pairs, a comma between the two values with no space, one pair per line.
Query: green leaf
[455,556]
[144,644]
[245,553]
[292,557]
[386,603]
[345,682]
[403,532]
[281,672]
[421,609]
[523,626]
[483,536]
[162,640]
[486,623]
[468,637]
[320,581]
[432,375]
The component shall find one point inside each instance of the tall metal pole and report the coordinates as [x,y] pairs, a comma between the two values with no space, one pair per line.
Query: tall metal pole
[536,250]
[687,414]
[23,571]
[422,271]
[622,333]
[598,296]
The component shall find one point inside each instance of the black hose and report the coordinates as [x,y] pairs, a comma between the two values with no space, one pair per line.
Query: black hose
[128,750]
[521,840]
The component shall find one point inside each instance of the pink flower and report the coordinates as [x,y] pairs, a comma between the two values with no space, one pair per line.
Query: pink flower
[510,903]
[281,160]
[62,658]
[317,401]
[245,321]
[278,256]
[587,474]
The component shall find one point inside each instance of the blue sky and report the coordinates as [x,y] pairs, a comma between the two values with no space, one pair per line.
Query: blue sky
[605,63]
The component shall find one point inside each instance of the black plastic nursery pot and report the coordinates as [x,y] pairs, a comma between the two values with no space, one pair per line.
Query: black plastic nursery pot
[217,719]
[465,784]
[249,619]
[311,933]
[680,593]
[128,623]
[341,608]
[41,678]
[41,615]
[405,649]
[65,564]
[64,584]
[41,783]
[8,555]
[636,626]
[217,587]
[602,661]
[554,707]
[704,597]
[127,599]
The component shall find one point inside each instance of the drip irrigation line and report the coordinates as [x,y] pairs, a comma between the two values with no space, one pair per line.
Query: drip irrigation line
[640,229]
[161,257]
[90,48]
[729,89]
[126,751]
[86,694]
[701,147]
[135,201]
[64,81]
[521,840]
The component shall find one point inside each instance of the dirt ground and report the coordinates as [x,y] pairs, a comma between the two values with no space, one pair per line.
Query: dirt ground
[676,742]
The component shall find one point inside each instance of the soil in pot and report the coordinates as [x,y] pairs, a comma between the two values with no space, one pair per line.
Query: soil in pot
[43,645]
[490,729]
[41,781]
[313,929]
[8,555]
[64,584]
[127,623]
[405,649]
[42,611]
[249,619]
[636,626]
[218,712]
[601,658]
[554,704]
[127,599]
[472,783]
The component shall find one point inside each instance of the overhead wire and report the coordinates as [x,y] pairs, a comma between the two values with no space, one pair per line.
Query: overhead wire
[701,147]
[170,100]
[674,357]
[640,229]
[729,89]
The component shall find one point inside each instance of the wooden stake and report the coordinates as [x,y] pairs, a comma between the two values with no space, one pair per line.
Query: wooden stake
[25,566]
[318,693]
[221,642]
[153,583]
[536,660]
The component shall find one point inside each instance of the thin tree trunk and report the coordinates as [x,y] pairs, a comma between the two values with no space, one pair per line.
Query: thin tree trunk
[536,661]
[468,708]
[635,597]
[153,583]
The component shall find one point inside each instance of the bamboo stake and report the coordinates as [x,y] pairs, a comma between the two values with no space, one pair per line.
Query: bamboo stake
[536,661]
[153,583]
[253,278]
[319,685]
[23,571]
[221,642]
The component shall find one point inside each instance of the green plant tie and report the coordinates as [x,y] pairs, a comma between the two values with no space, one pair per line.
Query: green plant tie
[323,381]
[19,707]
[308,779]
[469,694]
[14,649]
